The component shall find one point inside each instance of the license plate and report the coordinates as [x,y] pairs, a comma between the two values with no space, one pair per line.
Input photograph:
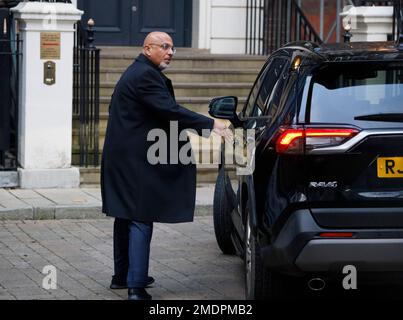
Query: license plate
[391,167]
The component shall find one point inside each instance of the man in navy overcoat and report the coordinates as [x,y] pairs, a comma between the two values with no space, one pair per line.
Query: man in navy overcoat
[135,191]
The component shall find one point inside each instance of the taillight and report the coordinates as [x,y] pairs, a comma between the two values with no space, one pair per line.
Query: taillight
[294,140]
[336,235]
[291,141]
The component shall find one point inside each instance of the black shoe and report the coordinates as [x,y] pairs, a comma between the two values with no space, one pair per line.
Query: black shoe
[150,281]
[116,285]
[138,294]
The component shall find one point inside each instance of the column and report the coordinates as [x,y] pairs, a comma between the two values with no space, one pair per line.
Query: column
[45,111]
[369,23]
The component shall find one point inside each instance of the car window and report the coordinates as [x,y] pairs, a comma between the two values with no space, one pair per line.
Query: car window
[340,94]
[274,99]
[249,110]
[263,87]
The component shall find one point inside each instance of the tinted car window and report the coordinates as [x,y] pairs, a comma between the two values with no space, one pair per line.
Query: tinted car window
[263,87]
[274,99]
[340,94]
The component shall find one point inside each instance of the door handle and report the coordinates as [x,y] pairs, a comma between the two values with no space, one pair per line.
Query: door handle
[134,8]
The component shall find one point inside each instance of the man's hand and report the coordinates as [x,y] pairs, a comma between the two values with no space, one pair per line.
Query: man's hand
[222,130]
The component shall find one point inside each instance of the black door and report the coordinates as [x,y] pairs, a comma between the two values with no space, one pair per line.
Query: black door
[112,20]
[126,22]
[171,16]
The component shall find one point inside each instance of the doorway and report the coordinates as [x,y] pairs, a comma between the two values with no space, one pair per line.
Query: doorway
[127,22]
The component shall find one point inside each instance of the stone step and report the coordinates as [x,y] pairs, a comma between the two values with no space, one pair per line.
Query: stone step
[9,179]
[112,75]
[193,61]
[206,150]
[196,104]
[91,176]
[135,51]
[103,121]
[206,147]
[199,89]
[205,162]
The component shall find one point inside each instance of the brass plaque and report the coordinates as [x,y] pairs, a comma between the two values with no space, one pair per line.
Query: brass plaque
[49,73]
[50,45]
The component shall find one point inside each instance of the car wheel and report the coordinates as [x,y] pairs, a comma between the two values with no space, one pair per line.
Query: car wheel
[223,226]
[260,282]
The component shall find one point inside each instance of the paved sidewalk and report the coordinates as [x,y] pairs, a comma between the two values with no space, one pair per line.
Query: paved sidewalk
[82,203]
[185,261]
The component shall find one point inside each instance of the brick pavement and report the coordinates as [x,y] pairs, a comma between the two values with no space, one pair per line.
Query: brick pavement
[185,261]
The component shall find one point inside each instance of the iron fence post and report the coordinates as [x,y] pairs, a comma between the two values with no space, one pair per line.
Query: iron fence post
[86,99]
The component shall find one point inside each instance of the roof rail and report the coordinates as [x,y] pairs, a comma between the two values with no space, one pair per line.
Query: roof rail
[307,46]
[311,46]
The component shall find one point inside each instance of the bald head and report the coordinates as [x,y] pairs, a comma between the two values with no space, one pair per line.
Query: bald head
[158,48]
[156,36]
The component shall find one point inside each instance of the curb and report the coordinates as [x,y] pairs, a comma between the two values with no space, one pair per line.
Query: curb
[73,212]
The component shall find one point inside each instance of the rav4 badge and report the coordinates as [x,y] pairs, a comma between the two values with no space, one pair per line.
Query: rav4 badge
[323,184]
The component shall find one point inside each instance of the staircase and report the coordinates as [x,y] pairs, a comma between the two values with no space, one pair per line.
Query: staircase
[197,77]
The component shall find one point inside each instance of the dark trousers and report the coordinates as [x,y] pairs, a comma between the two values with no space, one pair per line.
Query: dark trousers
[131,251]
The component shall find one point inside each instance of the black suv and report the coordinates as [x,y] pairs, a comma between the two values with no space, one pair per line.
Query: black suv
[326,187]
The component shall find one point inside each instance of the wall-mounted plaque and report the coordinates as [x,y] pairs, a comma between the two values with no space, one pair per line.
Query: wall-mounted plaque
[50,45]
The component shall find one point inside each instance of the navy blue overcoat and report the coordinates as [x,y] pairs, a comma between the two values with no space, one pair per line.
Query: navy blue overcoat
[132,188]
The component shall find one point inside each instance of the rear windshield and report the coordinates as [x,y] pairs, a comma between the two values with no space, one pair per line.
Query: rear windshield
[342,92]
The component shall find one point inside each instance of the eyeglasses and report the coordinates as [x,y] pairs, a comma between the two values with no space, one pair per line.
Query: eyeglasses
[165,47]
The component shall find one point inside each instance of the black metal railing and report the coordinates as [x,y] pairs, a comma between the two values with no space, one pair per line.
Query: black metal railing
[255,24]
[86,95]
[10,64]
[399,20]
[272,23]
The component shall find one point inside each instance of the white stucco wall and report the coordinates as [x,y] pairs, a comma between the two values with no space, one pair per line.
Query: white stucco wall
[228,26]
[220,25]
[201,29]
[369,23]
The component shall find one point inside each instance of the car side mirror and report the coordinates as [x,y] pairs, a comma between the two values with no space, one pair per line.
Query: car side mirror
[224,108]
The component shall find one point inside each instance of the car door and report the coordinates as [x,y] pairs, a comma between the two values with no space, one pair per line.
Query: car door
[253,123]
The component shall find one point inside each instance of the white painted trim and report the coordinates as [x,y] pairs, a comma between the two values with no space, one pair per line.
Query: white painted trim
[220,25]
[368,23]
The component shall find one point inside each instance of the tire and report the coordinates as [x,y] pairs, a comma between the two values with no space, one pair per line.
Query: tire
[260,282]
[223,226]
